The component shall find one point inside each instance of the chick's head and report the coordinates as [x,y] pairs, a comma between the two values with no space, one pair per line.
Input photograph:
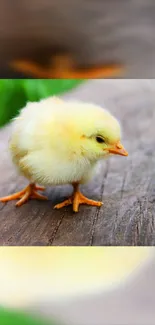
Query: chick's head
[96,134]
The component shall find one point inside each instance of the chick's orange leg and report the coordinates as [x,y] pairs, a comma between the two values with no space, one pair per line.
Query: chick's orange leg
[76,199]
[29,192]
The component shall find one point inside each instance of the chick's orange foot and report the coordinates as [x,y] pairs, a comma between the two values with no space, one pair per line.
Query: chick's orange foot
[76,199]
[66,67]
[29,192]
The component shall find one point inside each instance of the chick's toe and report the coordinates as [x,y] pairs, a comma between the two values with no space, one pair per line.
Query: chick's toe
[76,199]
[65,67]
[79,198]
[29,192]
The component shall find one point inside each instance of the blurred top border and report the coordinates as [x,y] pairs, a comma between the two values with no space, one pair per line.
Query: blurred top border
[77,39]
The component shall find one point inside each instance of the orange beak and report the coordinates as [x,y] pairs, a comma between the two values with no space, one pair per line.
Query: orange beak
[118,149]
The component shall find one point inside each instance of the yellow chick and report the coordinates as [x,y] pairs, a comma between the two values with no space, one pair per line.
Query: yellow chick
[60,142]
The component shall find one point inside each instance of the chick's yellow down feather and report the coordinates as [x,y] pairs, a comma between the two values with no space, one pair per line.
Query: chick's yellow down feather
[59,142]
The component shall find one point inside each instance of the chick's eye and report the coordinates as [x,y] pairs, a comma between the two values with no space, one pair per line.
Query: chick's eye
[100,139]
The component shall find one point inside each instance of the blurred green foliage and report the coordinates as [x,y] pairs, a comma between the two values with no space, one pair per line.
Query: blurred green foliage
[14,93]
[10,317]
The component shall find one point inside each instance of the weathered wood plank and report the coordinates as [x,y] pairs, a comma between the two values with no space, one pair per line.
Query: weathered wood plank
[126,185]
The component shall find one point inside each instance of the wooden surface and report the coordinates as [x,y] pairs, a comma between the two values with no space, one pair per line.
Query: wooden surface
[94,31]
[126,185]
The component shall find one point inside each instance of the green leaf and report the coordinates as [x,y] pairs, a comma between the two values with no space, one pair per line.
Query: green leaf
[14,93]
[10,317]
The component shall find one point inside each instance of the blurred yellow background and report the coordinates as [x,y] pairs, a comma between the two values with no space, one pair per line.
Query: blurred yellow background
[36,274]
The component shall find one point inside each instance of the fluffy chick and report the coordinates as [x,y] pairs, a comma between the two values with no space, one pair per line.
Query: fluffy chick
[59,142]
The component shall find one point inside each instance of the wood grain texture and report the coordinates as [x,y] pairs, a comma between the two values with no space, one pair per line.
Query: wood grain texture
[126,185]
[94,31]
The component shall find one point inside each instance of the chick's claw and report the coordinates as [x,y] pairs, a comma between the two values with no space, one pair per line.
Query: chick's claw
[77,199]
[65,203]
[29,192]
